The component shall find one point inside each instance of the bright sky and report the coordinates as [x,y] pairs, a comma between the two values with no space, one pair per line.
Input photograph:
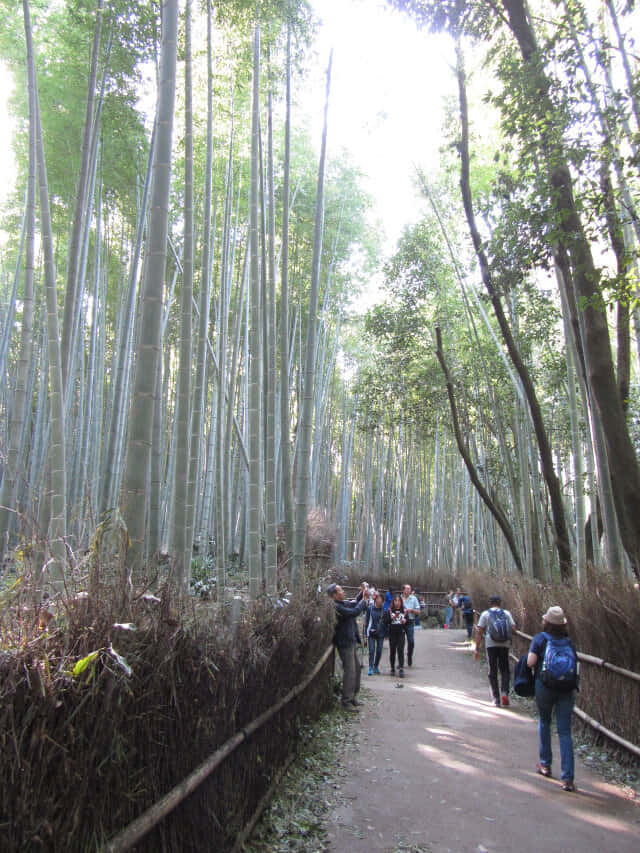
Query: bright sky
[387,90]
[388,84]
[7,164]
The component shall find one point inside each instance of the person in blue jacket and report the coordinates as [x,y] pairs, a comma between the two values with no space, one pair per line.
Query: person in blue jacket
[464,603]
[374,632]
[387,600]
[346,639]
[554,627]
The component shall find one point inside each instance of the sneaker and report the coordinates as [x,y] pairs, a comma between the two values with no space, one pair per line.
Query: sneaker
[356,702]
[376,671]
[568,785]
[347,706]
[543,770]
[392,671]
[445,626]
[401,673]
[505,700]
[496,702]
[370,670]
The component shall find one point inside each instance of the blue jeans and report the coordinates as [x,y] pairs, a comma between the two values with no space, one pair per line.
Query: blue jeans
[546,699]
[410,641]
[375,650]
[447,616]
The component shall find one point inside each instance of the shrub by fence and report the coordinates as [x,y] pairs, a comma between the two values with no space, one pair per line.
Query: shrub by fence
[99,721]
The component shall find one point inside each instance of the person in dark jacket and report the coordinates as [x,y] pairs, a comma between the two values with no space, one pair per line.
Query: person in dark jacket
[464,603]
[346,639]
[396,621]
[374,631]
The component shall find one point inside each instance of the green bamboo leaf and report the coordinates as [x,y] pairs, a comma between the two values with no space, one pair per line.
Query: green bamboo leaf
[83,663]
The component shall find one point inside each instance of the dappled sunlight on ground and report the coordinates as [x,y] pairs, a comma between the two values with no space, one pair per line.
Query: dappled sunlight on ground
[445,770]
[446,760]
[602,821]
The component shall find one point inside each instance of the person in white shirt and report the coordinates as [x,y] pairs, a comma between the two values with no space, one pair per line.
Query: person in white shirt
[412,609]
[495,625]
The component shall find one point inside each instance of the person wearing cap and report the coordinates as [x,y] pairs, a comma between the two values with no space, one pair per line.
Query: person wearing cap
[554,624]
[497,650]
[346,639]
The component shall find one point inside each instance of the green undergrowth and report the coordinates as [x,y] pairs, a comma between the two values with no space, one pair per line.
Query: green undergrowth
[298,816]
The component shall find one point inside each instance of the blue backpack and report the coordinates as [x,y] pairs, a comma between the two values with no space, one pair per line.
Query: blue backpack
[499,626]
[560,664]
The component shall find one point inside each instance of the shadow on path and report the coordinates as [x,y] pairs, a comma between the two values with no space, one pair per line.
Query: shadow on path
[435,767]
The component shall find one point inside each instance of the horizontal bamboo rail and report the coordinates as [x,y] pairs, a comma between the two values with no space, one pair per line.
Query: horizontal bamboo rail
[585,658]
[155,813]
[600,728]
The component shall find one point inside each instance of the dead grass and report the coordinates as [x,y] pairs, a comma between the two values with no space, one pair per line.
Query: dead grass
[105,710]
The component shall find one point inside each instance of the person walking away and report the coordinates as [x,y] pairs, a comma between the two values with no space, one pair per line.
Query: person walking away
[412,612]
[374,632]
[388,599]
[496,625]
[554,659]
[457,613]
[464,604]
[395,620]
[346,640]
[452,602]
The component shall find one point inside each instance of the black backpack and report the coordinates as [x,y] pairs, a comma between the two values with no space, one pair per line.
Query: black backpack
[499,626]
[524,683]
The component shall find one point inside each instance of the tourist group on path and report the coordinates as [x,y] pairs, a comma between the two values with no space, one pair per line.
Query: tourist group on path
[550,669]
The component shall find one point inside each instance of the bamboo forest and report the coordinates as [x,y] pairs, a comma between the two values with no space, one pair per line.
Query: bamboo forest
[182,362]
[297,293]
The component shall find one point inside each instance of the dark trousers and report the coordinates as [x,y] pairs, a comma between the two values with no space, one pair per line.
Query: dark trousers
[467,615]
[351,672]
[396,645]
[498,658]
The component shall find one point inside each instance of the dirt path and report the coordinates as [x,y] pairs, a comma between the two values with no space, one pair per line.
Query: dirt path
[437,768]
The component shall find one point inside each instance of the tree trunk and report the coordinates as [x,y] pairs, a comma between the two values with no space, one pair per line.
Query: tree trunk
[551,479]
[181,544]
[306,413]
[135,490]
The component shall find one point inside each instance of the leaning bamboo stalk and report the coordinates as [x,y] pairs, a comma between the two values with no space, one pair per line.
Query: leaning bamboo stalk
[147,820]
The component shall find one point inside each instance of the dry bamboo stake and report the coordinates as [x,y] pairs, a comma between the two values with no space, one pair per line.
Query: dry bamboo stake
[153,815]
[246,833]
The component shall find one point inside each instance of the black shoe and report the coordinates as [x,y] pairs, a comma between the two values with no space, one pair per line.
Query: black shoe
[356,702]
[401,673]
[392,671]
